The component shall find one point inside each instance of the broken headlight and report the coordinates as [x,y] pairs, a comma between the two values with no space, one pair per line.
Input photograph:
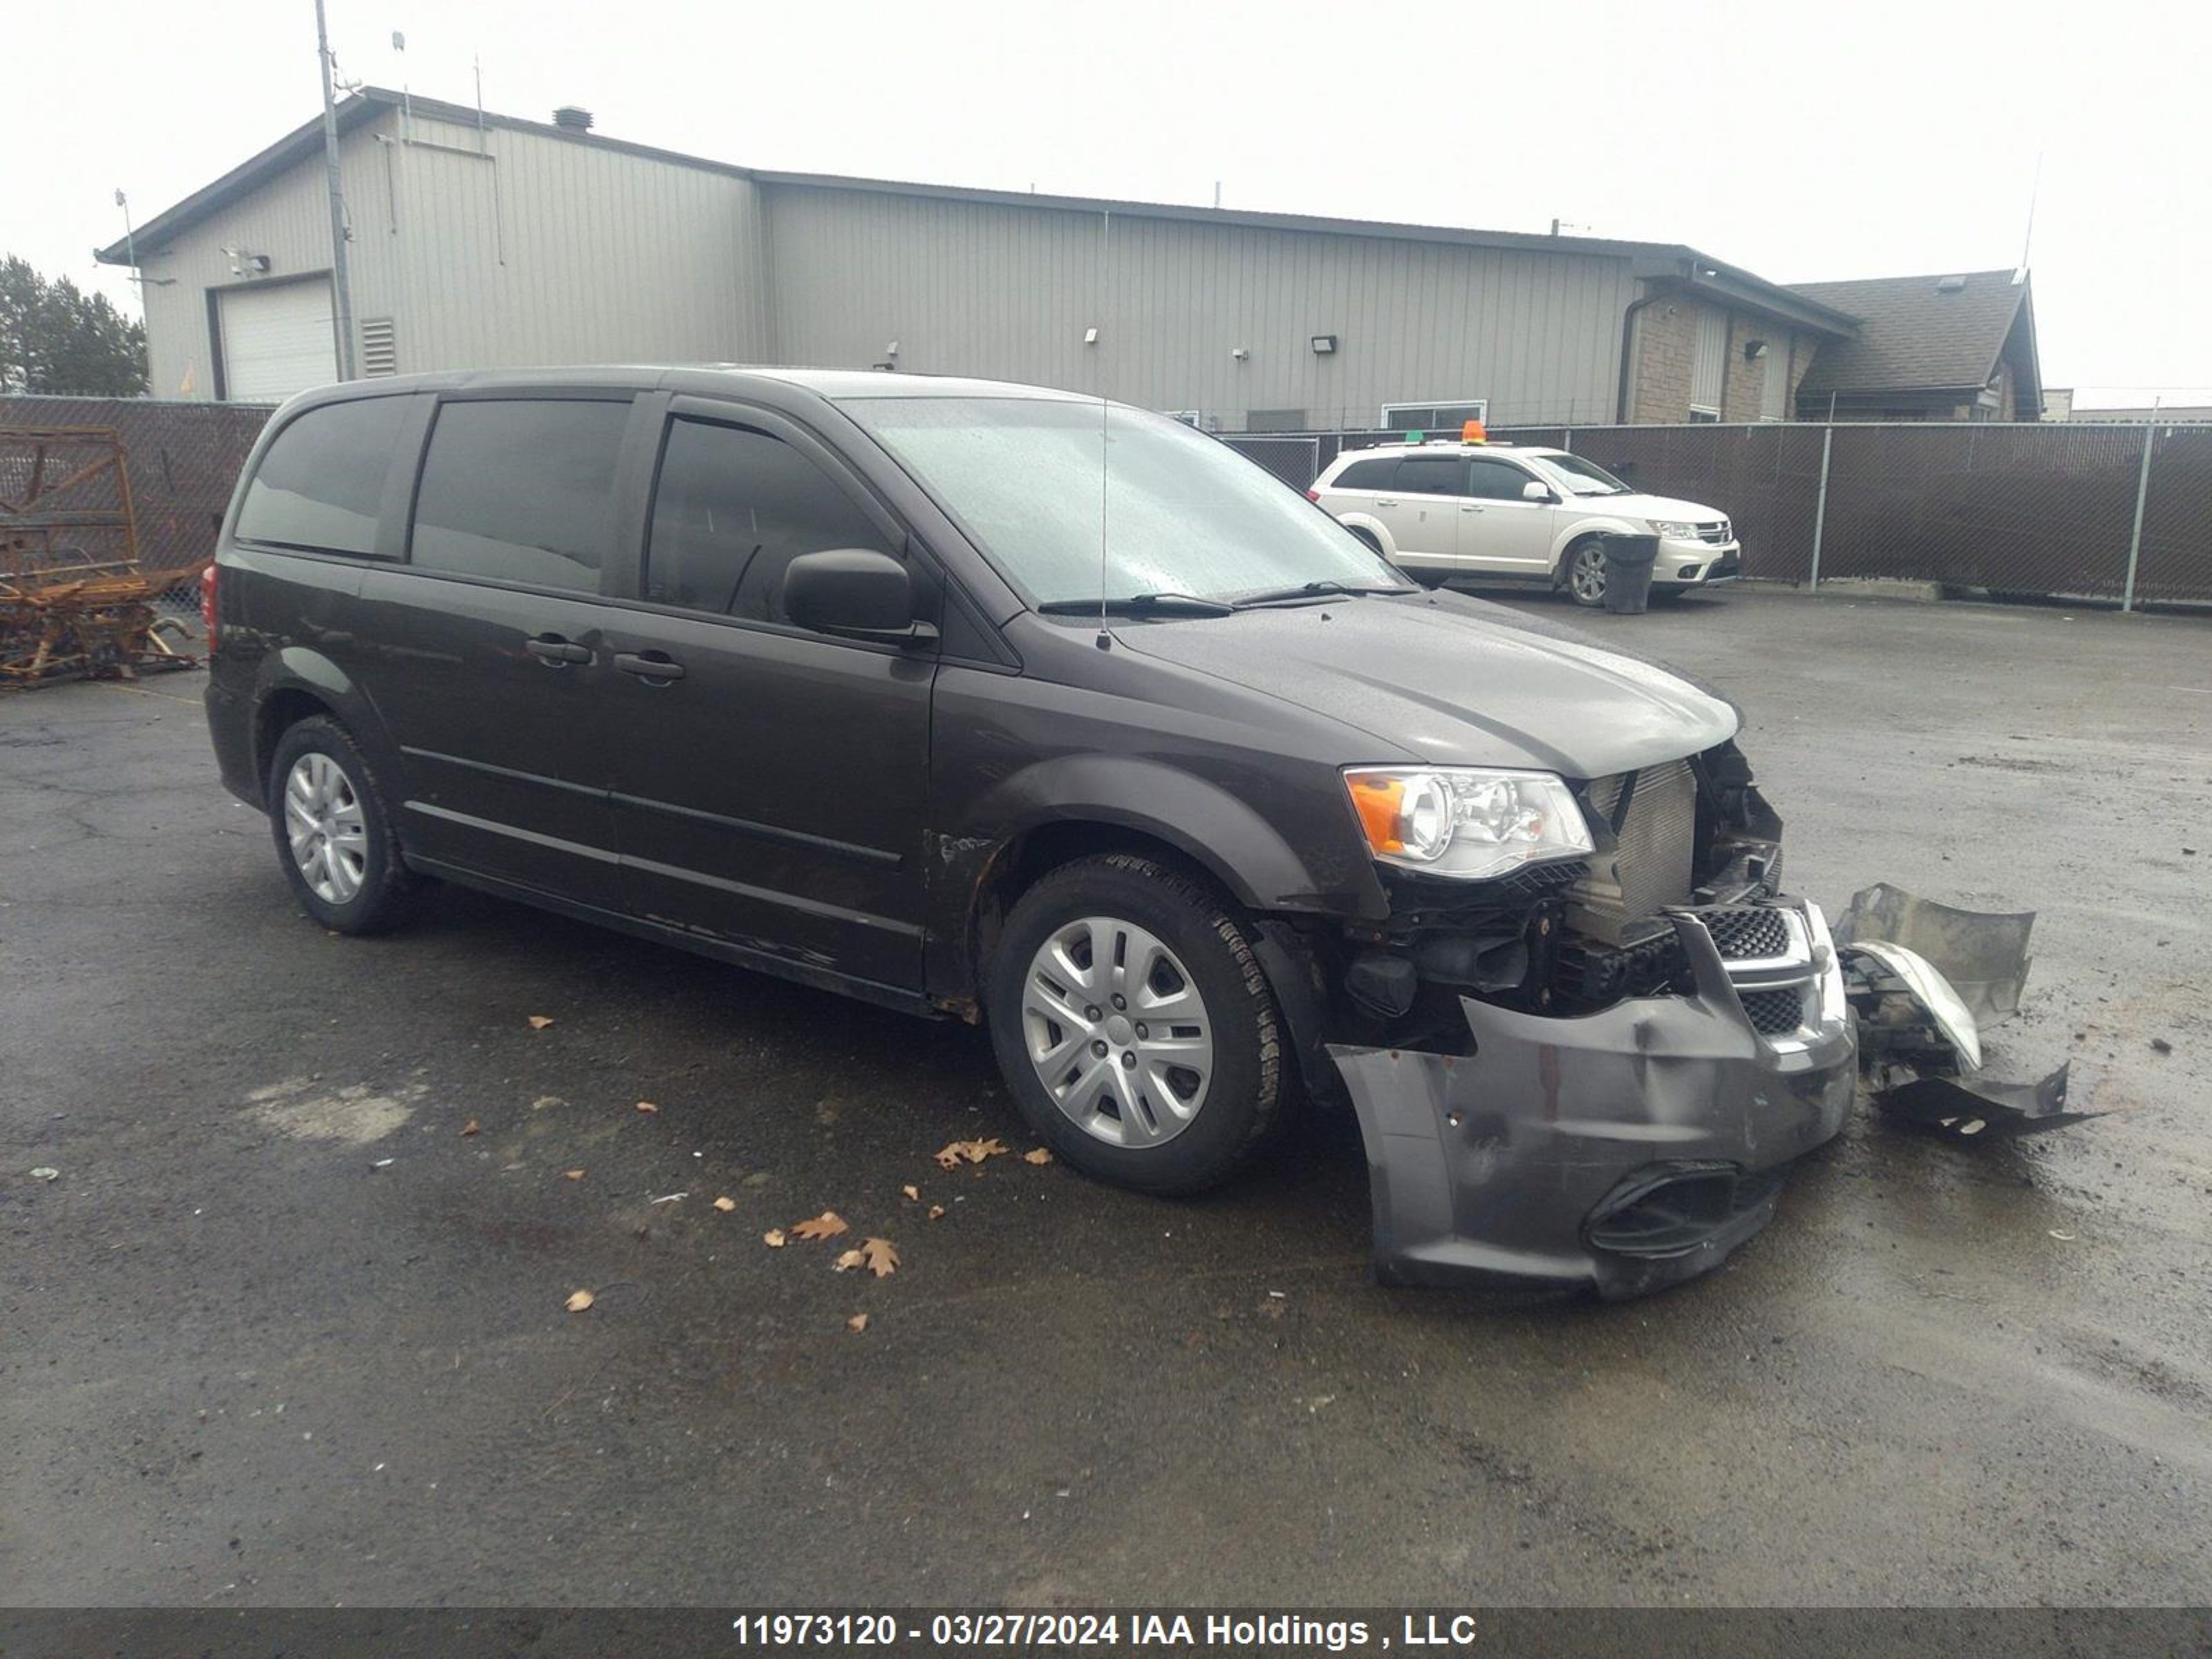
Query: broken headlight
[1467,822]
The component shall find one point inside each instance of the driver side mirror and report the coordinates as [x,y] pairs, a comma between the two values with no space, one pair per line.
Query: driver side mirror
[1537,490]
[854,593]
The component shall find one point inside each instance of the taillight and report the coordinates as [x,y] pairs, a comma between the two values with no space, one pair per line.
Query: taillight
[207,606]
[1312,495]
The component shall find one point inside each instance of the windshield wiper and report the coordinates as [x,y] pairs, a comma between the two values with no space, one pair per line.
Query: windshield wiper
[1311,590]
[1139,605]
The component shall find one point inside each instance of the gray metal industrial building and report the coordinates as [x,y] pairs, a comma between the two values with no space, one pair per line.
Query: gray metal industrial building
[481,240]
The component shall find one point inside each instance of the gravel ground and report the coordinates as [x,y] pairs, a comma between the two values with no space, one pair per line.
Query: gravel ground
[290,1326]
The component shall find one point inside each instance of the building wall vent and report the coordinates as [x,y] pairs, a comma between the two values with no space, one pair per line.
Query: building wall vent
[380,346]
[573,118]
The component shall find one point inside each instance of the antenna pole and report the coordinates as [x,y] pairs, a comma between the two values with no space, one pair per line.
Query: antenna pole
[2034,190]
[1105,276]
[341,285]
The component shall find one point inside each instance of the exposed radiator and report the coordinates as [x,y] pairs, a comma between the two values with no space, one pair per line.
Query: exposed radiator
[1655,862]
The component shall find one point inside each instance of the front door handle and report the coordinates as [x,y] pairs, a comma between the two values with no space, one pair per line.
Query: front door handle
[1379,501]
[1470,509]
[648,665]
[555,651]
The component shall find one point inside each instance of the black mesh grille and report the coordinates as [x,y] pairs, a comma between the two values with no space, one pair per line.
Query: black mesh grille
[1774,1013]
[1745,931]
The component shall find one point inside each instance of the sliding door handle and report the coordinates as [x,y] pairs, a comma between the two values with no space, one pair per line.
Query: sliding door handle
[649,666]
[555,651]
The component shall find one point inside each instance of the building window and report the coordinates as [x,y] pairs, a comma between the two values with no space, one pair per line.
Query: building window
[1434,417]
[1703,417]
[1709,365]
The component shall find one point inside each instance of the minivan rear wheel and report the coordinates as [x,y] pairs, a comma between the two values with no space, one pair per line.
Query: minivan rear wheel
[333,833]
[1134,1025]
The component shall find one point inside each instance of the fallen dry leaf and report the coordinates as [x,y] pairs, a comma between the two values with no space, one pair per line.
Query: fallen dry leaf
[913,1194]
[936,1211]
[957,1152]
[857,1324]
[881,1256]
[847,1263]
[773,1238]
[827,1224]
[579,1300]
[575,1175]
[726,1203]
[545,1102]
[470,1128]
[1038,1155]
[539,1022]
[646,1106]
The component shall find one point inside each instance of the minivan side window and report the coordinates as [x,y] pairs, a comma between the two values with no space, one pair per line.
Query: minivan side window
[521,490]
[1495,480]
[1374,473]
[733,507]
[318,486]
[1431,475]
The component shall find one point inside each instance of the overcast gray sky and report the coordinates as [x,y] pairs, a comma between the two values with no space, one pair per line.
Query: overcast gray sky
[1802,142]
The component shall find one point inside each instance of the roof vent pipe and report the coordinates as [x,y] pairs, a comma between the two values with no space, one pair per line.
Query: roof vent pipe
[573,118]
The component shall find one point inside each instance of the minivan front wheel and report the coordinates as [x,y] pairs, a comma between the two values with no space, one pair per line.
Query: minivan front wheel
[1134,1025]
[333,835]
[1587,572]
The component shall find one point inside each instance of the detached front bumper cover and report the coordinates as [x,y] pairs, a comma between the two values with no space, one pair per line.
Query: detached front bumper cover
[1628,1149]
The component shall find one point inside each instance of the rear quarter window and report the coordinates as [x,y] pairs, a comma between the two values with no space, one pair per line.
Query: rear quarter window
[521,490]
[1374,473]
[319,485]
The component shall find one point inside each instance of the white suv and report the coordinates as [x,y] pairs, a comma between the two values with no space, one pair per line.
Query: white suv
[1494,510]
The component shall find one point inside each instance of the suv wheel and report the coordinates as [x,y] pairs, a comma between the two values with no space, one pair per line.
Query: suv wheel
[333,835]
[1134,1025]
[1586,573]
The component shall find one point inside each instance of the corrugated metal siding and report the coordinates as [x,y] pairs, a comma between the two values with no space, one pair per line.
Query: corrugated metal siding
[983,288]
[579,255]
[556,251]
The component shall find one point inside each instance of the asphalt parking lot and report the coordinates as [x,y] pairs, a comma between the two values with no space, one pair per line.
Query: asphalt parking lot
[289,1325]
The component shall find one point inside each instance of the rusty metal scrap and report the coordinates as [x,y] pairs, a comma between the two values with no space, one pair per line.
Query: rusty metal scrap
[75,602]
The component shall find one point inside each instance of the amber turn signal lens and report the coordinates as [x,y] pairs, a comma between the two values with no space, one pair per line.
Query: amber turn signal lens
[1378,800]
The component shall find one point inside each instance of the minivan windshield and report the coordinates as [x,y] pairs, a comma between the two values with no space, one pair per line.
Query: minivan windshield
[1185,518]
[1578,477]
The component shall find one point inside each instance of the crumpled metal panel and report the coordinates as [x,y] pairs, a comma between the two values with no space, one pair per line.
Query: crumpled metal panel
[1943,1019]
[1488,1165]
[1982,953]
[1981,1111]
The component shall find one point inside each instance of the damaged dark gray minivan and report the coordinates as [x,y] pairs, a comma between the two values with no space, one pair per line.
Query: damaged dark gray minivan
[995,703]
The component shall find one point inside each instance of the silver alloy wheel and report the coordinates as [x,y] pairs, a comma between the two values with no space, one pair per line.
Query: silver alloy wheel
[1586,575]
[1118,1032]
[323,822]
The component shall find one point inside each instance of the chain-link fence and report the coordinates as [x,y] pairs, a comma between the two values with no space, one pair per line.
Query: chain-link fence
[2061,509]
[184,458]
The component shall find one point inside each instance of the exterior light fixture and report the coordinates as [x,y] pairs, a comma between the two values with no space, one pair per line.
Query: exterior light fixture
[1239,354]
[1323,344]
[1091,337]
[1755,350]
[891,350]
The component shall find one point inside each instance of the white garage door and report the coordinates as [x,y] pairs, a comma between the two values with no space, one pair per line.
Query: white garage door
[277,341]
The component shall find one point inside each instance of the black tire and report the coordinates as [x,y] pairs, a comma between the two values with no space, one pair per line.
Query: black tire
[380,895]
[1566,574]
[1245,1094]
